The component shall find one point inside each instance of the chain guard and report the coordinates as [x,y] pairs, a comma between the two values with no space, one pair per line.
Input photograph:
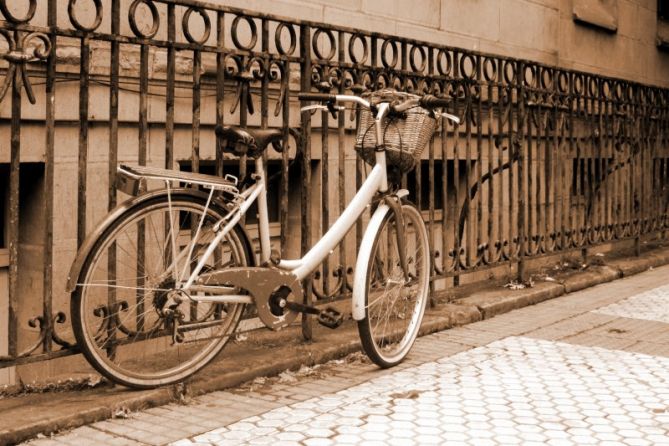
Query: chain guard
[261,283]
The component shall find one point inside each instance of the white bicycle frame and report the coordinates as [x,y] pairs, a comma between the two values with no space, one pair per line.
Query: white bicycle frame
[376,181]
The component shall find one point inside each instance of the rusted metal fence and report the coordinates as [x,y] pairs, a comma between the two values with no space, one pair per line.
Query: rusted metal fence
[546,160]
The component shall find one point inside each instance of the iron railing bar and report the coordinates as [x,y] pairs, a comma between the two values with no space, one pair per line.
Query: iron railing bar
[531,120]
[478,88]
[305,235]
[341,159]
[491,182]
[142,160]
[50,113]
[83,139]
[14,218]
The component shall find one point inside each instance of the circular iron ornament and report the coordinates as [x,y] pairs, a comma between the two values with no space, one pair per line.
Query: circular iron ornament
[593,87]
[617,90]
[546,78]
[640,96]
[331,41]
[653,96]
[185,24]
[279,44]
[351,49]
[32,6]
[606,89]
[384,53]
[154,16]
[423,58]
[252,27]
[489,69]
[77,24]
[467,60]
[530,76]
[444,62]
[579,80]
[563,82]
[650,95]
[630,92]
[510,72]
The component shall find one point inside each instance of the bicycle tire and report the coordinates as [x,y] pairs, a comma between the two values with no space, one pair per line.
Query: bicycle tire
[136,350]
[386,341]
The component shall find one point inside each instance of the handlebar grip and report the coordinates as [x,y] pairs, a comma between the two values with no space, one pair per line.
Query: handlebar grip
[322,97]
[429,101]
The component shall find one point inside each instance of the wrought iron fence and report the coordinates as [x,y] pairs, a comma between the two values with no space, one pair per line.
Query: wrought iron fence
[546,160]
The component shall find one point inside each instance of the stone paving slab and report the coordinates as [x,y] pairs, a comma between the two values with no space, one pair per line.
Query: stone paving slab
[650,305]
[513,391]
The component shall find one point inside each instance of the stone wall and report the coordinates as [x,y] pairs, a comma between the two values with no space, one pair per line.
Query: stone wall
[611,37]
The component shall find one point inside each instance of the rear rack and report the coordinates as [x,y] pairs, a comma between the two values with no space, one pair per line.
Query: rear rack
[129,179]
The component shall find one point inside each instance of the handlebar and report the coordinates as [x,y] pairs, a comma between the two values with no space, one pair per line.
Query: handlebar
[428,102]
[322,97]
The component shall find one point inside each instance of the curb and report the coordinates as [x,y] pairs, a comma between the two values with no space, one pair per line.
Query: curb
[494,302]
[594,276]
[482,305]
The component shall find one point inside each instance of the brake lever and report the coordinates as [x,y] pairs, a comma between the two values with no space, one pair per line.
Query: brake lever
[333,109]
[450,117]
[313,107]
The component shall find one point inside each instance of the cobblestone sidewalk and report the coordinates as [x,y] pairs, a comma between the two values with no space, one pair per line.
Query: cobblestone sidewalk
[588,368]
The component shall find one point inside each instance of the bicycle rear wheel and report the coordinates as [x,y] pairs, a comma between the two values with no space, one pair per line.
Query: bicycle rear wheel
[394,307]
[129,280]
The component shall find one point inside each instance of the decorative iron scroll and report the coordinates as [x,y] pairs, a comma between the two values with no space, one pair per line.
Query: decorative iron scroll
[21,51]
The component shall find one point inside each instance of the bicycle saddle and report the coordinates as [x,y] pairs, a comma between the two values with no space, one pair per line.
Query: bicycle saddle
[248,142]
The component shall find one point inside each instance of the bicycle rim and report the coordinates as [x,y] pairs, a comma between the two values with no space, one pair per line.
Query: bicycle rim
[394,307]
[125,286]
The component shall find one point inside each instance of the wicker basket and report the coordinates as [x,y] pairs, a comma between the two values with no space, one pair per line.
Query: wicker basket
[404,139]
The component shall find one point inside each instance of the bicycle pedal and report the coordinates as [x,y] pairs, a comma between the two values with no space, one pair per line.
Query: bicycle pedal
[330,318]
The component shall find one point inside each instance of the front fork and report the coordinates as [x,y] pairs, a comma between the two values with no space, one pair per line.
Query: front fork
[394,202]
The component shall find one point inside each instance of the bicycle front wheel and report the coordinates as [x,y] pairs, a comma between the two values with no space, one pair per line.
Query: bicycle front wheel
[130,319]
[394,306]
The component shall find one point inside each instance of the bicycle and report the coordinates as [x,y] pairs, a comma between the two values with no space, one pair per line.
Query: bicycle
[160,285]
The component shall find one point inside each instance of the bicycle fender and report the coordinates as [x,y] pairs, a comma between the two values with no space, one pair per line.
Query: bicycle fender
[89,242]
[358,298]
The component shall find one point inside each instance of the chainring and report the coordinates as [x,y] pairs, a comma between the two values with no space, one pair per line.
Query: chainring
[264,285]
